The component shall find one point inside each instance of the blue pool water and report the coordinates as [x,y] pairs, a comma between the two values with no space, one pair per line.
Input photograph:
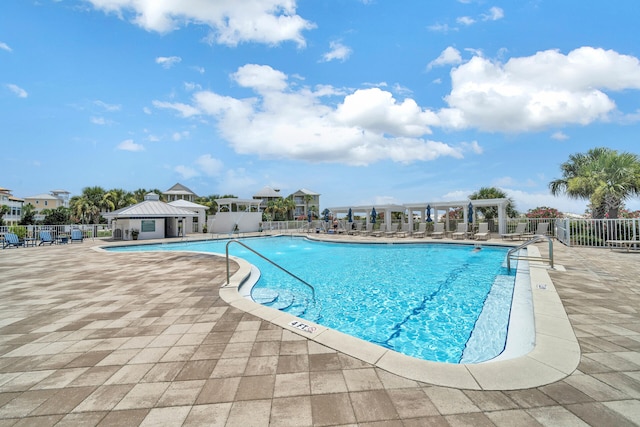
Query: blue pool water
[445,303]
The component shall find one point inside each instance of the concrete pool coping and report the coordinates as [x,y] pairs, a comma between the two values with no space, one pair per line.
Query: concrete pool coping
[556,353]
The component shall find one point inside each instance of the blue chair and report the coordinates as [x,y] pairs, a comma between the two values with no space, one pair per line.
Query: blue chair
[45,237]
[76,236]
[12,239]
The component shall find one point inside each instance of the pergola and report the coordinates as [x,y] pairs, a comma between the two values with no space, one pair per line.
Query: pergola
[435,208]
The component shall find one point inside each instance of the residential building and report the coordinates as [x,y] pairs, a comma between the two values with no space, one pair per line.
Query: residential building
[180,192]
[306,200]
[267,194]
[15,206]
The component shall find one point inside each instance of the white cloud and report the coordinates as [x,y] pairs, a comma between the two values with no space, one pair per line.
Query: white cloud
[559,136]
[472,146]
[179,136]
[209,165]
[494,14]
[168,61]
[465,20]
[17,90]
[99,121]
[107,107]
[185,172]
[338,51]
[293,122]
[184,109]
[200,70]
[4,46]
[448,56]
[536,92]
[441,28]
[231,22]
[129,145]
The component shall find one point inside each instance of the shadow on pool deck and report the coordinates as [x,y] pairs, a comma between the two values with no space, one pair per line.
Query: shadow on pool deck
[94,338]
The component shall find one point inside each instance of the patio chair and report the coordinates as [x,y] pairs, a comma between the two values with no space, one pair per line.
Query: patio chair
[368,230]
[395,228]
[517,233]
[403,231]
[461,232]
[353,231]
[12,239]
[422,230]
[76,236]
[438,231]
[45,237]
[483,232]
[380,231]
[541,229]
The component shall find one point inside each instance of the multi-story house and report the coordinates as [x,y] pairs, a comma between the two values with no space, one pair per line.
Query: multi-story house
[306,200]
[15,206]
[180,192]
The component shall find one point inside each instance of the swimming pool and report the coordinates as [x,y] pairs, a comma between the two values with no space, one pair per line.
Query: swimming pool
[438,302]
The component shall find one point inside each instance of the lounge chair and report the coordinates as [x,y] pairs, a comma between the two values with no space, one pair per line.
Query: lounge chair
[483,232]
[367,231]
[422,230]
[76,236]
[45,237]
[623,244]
[461,232]
[353,231]
[438,231]
[380,231]
[12,239]
[541,229]
[403,231]
[393,231]
[517,233]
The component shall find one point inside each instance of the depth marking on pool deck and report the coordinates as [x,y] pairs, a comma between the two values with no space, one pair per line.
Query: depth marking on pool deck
[556,353]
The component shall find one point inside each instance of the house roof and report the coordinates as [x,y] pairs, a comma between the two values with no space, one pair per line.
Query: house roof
[305,191]
[268,192]
[179,189]
[43,196]
[181,203]
[150,209]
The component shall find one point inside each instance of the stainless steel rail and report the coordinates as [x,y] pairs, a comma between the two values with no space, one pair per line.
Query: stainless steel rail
[313,291]
[535,239]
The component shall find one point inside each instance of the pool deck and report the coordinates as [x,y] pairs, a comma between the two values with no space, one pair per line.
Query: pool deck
[94,338]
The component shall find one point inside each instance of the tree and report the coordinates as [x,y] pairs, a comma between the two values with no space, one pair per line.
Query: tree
[58,216]
[28,215]
[603,176]
[491,212]
[4,209]
[544,212]
[117,199]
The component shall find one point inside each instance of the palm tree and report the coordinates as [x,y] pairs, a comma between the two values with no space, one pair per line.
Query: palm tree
[491,212]
[602,175]
[117,199]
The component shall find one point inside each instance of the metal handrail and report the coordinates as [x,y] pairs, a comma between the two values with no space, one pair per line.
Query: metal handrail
[313,291]
[535,239]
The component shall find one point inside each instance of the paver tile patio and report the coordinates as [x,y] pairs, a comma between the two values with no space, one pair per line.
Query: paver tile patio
[105,339]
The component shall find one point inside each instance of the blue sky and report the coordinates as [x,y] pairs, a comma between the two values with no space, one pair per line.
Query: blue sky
[362,101]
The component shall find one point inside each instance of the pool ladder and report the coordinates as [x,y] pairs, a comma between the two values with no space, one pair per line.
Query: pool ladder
[535,239]
[313,291]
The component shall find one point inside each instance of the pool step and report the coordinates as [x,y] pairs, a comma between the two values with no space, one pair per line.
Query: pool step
[284,300]
[264,296]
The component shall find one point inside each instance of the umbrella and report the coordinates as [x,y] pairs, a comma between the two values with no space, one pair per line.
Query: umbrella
[374,214]
[309,216]
[326,215]
[470,213]
[429,213]
[350,215]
